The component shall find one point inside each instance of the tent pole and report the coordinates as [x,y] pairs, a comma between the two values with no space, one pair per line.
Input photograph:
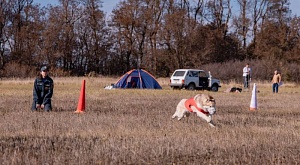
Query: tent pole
[141,83]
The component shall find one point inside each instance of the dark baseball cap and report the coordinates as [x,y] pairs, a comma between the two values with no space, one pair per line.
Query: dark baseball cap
[44,68]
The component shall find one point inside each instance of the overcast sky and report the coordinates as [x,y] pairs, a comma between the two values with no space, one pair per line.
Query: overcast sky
[108,5]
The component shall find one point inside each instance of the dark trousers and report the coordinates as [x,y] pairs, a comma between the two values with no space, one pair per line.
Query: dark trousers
[275,88]
[246,81]
[47,107]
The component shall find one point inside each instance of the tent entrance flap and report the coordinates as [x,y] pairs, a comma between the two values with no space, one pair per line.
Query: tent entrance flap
[133,82]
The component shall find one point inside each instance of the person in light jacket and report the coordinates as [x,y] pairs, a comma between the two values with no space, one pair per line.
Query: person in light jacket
[42,91]
[276,81]
[247,75]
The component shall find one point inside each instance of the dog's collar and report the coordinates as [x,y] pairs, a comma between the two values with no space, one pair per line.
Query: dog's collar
[191,102]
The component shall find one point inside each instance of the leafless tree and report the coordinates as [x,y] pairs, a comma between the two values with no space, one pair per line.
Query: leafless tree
[4,21]
[259,11]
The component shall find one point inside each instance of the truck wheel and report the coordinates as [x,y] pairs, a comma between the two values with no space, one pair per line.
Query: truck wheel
[191,87]
[214,88]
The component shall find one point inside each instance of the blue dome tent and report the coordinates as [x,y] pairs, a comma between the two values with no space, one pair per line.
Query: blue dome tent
[137,78]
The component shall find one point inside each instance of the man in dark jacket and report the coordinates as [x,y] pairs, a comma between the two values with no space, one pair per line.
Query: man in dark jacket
[42,91]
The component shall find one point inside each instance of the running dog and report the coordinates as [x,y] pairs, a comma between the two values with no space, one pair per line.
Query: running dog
[202,104]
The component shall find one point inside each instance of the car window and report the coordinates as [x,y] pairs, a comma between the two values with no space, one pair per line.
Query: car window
[193,74]
[202,74]
[179,73]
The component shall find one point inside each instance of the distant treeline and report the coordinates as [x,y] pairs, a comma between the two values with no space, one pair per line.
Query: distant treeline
[77,38]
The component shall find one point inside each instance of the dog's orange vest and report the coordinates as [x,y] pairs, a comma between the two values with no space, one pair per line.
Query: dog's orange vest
[191,102]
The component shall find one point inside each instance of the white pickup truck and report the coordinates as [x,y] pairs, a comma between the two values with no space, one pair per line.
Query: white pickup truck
[192,79]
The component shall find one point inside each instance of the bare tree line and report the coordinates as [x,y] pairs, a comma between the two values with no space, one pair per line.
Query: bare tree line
[76,38]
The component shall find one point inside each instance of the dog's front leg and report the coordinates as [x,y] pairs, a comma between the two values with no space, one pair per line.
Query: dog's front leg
[204,116]
[211,122]
[207,118]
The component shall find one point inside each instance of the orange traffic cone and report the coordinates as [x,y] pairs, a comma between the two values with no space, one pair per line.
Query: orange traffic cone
[253,103]
[81,101]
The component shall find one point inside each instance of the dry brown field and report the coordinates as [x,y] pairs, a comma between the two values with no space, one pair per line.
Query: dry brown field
[131,126]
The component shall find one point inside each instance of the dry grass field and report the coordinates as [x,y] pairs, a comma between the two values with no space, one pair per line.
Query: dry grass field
[135,127]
